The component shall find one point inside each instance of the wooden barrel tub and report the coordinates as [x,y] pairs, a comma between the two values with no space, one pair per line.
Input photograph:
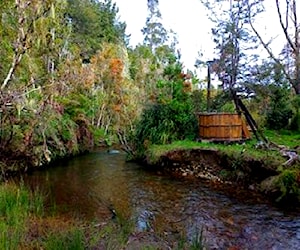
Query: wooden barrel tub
[220,126]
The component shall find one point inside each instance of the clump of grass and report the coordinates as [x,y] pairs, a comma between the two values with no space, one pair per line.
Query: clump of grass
[16,205]
[288,184]
[197,241]
[73,239]
[116,234]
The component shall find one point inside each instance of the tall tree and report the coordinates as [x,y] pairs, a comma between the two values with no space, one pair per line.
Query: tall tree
[233,40]
[154,32]
[289,61]
[20,29]
[95,22]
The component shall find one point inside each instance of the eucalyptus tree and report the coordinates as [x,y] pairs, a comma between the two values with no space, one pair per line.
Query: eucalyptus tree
[234,41]
[154,32]
[289,60]
[93,23]
[159,48]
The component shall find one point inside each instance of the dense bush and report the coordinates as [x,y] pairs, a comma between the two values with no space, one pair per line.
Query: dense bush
[164,123]
[280,110]
[295,122]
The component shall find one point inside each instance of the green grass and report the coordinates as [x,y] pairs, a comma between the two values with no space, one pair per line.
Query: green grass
[287,181]
[284,137]
[248,148]
[71,240]
[16,205]
[24,225]
[19,207]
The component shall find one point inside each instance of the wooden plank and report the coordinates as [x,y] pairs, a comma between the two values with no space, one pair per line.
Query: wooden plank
[245,131]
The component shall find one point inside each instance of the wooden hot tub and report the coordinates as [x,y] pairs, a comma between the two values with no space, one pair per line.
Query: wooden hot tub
[220,126]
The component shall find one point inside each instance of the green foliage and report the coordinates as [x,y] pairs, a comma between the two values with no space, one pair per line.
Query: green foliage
[164,123]
[223,102]
[40,131]
[280,110]
[94,22]
[73,239]
[288,182]
[77,105]
[16,204]
[295,122]
[199,100]
[52,108]
[197,241]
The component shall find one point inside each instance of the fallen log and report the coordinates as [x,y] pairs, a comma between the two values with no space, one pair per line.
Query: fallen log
[292,156]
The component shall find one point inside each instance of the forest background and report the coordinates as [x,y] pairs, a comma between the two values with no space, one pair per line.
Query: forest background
[70,81]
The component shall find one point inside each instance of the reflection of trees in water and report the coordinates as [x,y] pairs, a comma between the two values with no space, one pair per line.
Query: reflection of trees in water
[92,186]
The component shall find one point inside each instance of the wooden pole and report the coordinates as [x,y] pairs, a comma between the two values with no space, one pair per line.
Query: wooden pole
[208,87]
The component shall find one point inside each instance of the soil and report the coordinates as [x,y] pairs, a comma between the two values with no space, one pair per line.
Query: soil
[243,172]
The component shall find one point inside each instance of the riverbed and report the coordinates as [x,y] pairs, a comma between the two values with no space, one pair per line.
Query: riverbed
[99,186]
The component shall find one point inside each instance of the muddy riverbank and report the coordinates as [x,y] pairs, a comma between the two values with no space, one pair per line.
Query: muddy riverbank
[239,170]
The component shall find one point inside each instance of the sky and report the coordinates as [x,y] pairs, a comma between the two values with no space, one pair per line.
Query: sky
[189,20]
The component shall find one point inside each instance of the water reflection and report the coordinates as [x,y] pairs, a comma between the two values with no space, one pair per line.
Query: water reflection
[92,186]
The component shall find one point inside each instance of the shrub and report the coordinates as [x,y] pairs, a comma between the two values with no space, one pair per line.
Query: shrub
[165,123]
[280,110]
[288,184]
[295,122]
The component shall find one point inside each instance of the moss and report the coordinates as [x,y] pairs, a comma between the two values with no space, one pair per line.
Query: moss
[288,183]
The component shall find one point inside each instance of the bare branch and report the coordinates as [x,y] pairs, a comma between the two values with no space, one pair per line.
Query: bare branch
[296,27]
[285,27]
[267,48]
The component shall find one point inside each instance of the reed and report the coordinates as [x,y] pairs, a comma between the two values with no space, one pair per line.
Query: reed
[16,205]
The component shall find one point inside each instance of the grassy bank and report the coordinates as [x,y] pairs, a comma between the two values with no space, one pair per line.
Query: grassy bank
[243,163]
[249,148]
[25,224]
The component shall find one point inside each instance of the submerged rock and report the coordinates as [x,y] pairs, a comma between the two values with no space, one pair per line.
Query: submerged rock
[113,151]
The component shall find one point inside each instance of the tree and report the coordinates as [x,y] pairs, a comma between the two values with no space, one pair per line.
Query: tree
[289,61]
[157,53]
[22,29]
[154,32]
[94,22]
[233,40]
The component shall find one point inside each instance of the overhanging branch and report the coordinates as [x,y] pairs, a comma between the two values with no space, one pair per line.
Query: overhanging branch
[267,48]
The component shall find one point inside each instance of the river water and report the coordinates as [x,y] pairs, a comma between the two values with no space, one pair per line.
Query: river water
[93,185]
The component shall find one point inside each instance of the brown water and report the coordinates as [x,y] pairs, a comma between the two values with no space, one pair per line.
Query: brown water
[91,186]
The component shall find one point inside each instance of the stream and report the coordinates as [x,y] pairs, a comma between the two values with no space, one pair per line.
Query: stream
[93,185]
